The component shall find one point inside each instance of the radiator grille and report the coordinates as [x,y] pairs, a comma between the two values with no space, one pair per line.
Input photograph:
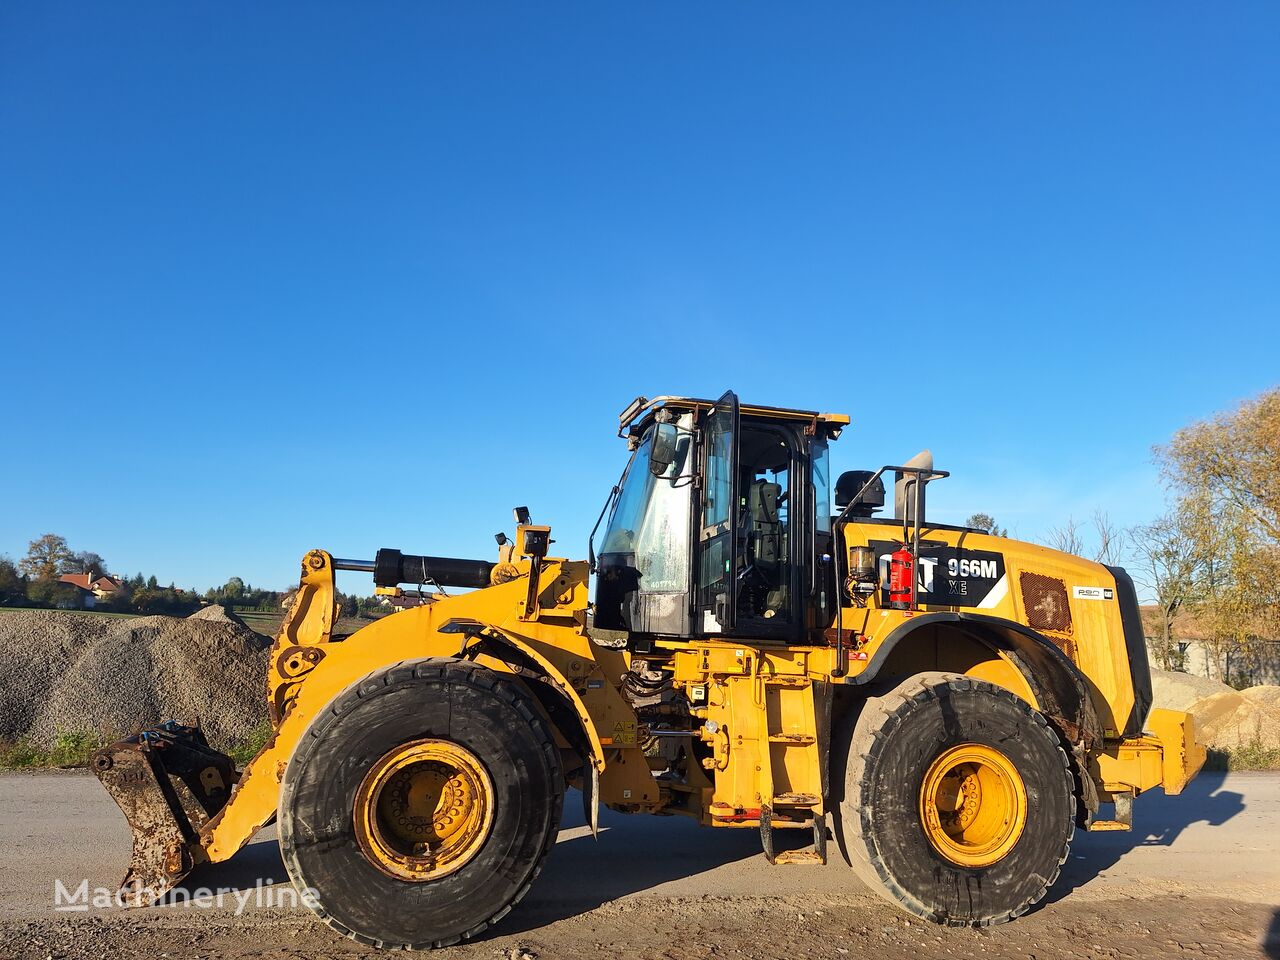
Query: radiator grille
[1045,600]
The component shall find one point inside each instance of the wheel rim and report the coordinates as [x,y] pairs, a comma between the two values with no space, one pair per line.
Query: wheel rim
[424,810]
[973,805]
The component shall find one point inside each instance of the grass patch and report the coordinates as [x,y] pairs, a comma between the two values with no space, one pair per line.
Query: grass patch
[1253,756]
[75,613]
[69,750]
[75,749]
[254,742]
[21,756]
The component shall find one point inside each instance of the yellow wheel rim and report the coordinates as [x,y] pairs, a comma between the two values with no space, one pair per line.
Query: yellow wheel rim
[973,805]
[424,810]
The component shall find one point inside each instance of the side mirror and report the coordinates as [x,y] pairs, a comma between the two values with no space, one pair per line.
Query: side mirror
[662,452]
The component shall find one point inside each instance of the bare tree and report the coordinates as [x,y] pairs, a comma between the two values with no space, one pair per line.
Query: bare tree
[1067,538]
[1110,539]
[1072,537]
[1170,562]
[86,561]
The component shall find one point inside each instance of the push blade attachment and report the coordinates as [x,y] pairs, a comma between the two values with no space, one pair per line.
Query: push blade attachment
[169,783]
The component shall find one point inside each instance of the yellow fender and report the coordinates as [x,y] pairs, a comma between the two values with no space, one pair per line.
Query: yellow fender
[553,639]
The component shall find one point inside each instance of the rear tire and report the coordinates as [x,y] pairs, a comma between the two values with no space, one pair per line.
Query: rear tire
[923,760]
[508,769]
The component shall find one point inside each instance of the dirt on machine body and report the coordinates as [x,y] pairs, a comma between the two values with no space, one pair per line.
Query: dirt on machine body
[945,705]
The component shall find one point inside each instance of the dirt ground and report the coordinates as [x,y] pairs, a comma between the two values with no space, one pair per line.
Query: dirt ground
[1199,877]
[786,926]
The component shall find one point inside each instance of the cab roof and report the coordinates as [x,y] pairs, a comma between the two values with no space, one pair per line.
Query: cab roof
[641,412]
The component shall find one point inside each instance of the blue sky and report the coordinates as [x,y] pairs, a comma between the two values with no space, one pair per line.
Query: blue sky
[276,276]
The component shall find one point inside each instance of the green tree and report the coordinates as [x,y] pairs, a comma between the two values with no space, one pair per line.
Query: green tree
[1230,463]
[46,558]
[1233,456]
[13,588]
[119,601]
[50,593]
[987,524]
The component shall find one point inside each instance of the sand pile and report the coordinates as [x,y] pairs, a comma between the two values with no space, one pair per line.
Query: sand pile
[1178,691]
[69,673]
[1266,695]
[1230,720]
[1225,718]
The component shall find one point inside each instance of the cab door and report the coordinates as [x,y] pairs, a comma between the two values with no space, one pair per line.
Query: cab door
[716,596]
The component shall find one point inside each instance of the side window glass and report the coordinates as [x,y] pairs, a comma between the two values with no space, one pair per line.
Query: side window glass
[765,578]
[719,460]
[821,486]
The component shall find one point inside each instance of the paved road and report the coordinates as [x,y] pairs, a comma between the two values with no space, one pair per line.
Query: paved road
[1220,840]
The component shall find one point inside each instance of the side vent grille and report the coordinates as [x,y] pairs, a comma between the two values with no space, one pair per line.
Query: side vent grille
[1045,600]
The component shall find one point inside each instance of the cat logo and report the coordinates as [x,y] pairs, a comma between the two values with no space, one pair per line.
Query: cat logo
[951,575]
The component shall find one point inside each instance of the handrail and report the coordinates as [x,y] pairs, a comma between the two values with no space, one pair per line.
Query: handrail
[922,477]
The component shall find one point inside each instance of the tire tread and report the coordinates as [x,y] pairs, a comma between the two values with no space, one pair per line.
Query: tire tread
[879,719]
[451,672]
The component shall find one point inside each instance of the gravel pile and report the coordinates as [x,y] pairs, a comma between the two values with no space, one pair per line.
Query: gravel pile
[216,613]
[1225,718]
[70,673]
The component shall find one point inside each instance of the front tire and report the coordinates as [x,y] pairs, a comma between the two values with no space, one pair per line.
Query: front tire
[958,800]
[420,805]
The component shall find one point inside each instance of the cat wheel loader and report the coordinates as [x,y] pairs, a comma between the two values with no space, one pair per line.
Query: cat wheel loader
[946,705]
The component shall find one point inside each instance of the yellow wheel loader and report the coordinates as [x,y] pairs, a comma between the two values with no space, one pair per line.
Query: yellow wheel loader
[947,705]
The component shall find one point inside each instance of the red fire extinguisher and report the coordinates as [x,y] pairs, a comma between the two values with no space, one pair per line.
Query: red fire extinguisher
[901,570]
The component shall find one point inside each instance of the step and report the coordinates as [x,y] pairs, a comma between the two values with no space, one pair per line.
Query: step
[796,800]
[799,858]
[816,856]
[1124,816]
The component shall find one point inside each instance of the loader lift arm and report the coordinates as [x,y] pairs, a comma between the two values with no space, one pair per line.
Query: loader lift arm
[544,648]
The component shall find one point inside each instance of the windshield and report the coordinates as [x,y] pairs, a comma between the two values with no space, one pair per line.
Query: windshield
[649,528]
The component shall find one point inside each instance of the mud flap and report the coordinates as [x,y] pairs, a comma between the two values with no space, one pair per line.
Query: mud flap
[169,783]
[591,799]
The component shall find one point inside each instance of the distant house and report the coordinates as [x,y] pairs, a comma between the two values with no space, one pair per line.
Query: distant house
[1251,662]
[92,588]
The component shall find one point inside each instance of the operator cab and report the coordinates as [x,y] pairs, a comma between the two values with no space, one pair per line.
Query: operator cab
[722,523]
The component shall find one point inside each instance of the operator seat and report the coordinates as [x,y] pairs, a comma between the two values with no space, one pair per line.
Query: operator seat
[766,531]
